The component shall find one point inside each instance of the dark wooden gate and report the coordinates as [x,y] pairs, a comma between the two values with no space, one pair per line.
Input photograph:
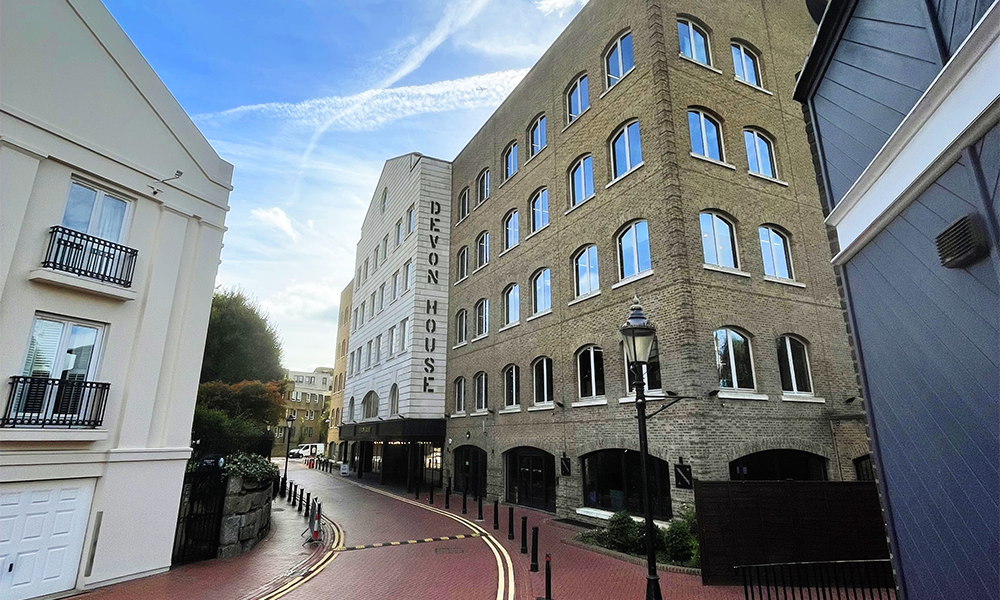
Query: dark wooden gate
[763,522]
[200,515]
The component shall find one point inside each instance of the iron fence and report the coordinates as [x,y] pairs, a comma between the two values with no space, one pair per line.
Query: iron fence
[45,402]
[833,580]
[89,256]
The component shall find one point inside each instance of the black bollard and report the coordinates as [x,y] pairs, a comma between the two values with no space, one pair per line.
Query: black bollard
[496,513]
[418,489]
[465,497]
[309,505]
[284,482]
[301,494]
[447,496]
[479,502]
[510,522]
[430,495]
[524,535]
[548,577]
[291,492]
[534,549]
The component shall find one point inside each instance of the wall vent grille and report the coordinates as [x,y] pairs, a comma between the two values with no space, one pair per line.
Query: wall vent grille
[963,243]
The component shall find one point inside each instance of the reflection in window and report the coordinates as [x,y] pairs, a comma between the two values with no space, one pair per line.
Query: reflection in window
[511,386]
[577,99]
[718,241]
[760,156]
[539,210]
[581,180]
[734,360]
[538,135]
[612,480]
[541,292]
[482,317]
[482,393]
[633,250]
[693,42]
[705,138]
[745,65]
[512,304]
[510,161]
[619,59]
[460,395]
[626,150]
[542,380]
[774,250]
[590,370]
[793,364]
[511,233]
[585,267]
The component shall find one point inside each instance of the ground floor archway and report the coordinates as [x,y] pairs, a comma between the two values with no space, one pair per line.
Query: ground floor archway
[531,478]
[612,480]
[779,465]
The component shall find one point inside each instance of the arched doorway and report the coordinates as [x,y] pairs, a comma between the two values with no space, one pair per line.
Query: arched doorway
[779,465]
[470,469]
[531,478]
[612,480]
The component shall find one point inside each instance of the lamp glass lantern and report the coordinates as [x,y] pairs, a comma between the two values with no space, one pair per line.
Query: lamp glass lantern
[637,334]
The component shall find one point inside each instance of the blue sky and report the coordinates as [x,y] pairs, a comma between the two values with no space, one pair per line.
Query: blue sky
[307,98]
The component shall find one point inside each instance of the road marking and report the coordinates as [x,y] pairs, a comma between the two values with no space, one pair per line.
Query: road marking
[299,580]
[408,542]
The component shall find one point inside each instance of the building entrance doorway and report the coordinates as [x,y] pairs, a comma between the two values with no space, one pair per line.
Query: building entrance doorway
[470,470]
[531,478]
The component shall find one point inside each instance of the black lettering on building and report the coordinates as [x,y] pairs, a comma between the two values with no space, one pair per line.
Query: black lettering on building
[427,387]
[434,223]
[432,275]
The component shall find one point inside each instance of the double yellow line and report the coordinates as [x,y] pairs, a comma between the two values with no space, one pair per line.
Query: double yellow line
[299,580]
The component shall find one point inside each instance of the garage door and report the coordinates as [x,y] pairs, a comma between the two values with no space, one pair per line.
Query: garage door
[42,526]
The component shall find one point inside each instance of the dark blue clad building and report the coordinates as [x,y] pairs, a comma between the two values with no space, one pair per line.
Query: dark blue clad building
[903,102]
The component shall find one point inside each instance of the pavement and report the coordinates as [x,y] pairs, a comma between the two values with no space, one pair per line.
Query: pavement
[393,546]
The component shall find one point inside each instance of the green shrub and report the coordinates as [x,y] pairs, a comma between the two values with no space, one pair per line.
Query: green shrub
[687,514]
[679,542]
[624,533]
[250,466]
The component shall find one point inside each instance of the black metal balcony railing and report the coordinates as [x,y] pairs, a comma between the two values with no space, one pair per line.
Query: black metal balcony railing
[44,402]
[834,580]
[90,256]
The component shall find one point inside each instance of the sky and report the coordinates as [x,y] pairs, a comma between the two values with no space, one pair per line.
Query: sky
[308,98]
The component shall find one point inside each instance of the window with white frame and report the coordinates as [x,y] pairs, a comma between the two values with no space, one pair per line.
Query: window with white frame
[378,348]
[541,376]
[368,354]
[511,233]
[586,277]
[581,180]
[482,391]
[537,135]
[541,291]
[482,317]
[775,250]
[718,241]
[745,65]
[381,297]
[371,306]
[355,319]
[590,372]
[512,304]
[510,161]
[399,232]
[693,42]
[394,400]
[350,410]
[760,153]
[705,134]
[461,326]
[463,204]
[734,359]
[395,285]
[385,247]
[618,61]
[511,386]
[460,395]
[482,249]
[361,315]
[375,260]
[370,405]
[577,99]
[350,365]
[462,263]
[539,209]
[391,340]
[650,371]
[633,250]
[626,150]
[364,272]
[408,274]
[92,210]
[58,348]
[793,364]
[483,187]
[385,198]
[403,335]
[411,220]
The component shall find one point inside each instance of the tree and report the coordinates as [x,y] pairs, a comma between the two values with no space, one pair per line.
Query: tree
[242,345]
[234,418]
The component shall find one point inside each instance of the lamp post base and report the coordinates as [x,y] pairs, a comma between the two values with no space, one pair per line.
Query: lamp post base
[653,588]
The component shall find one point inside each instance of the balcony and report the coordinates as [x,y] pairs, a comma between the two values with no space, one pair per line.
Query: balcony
[89,256]
[58,403]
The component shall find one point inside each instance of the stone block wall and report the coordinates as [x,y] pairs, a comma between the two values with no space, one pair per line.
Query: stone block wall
[246,516]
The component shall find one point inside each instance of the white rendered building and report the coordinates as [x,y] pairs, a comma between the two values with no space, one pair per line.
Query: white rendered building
[395,391]
[106,279]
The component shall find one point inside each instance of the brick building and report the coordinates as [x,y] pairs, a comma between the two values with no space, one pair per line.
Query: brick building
[654,150]
[335,448]
[306,399]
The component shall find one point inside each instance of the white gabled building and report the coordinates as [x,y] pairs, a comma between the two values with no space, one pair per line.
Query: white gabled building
[393,419]
[106,279]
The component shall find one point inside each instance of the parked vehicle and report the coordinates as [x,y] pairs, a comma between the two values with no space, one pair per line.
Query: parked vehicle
[304,450]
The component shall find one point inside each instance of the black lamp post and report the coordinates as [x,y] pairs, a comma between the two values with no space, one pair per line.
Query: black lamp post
[289,421]
[637,337]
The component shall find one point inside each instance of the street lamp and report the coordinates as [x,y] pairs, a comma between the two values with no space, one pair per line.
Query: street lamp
[637,337]
[289,421]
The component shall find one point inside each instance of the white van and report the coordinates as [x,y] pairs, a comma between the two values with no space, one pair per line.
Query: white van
[309,450]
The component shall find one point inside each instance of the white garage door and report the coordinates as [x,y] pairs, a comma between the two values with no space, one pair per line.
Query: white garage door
[42,526]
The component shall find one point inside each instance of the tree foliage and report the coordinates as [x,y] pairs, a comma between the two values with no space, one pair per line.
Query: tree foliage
[242,345]
[234,418]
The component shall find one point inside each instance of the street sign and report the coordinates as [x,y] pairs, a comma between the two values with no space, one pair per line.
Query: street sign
[564,466]
[345,469]
[682,477]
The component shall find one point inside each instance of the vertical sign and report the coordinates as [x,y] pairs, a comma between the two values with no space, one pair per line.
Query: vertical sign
[433,277]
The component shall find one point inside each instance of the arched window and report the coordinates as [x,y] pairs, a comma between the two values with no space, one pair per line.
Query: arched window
[650,371]
[510,161]
[586,279]
[483,249]
[539,210]
[734,359]
[370,405]
[350,410]
[775,250]
[577,99]
[590,372]
[612,480]
[537,135]
[461,326]
[779,465]
[793,364]
[618,61]
[460,395]
[633,250]
[511,386]
[626,150]
[512,304]
[541,376]
[385,198]
[482,317]
[510,228]
[394,400]
[581,180]
[482,392]
[760,153]
[706,135]
[462,263]
[541,294]
[718,241]
[745,65]
[463,204]
[693,41]
[483,187]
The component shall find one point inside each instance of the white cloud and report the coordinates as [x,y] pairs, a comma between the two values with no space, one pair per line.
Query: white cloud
[276,218]
[557,6]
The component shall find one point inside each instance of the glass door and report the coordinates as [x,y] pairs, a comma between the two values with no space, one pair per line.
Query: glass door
[62,350]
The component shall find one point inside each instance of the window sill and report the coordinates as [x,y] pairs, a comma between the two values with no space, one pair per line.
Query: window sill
[585,297]
[508,249]
[532,157]
[480,268]
[624,175]
[545,406]
[700,64]
[650,395]
[766,178]
[582,202]
[28,434]
[90,286]
[461,280]
[615,84]
[741,395]
[457,346]
[807,398]
[597,401]
[510,410]
[539,315]
[632,279]
[457,416]
[750,85]
[711,160]
[727,270]
[460,221]
[784,281]
[504,182]
[598,513]
[482,202]
[480,413]
[539,230]
[481,337]
[578,117]
[509,326]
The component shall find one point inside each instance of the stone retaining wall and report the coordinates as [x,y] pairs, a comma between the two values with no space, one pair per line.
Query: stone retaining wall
[246,516]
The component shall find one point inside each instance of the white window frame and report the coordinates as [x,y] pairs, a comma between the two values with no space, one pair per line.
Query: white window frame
[408,276]
[786,241]
[535,199]
[510,168]
[608,84]
[391,341]
[378,348]
[411,220]
[385,197]
[511,225]
[702,115]
[543,275]
[585,251]
[58,365]
[593,370]
[791,366]
[482,391]
[93,224]
[715,239]
[588,194]
[537,126]
[368,354]
[512,291]
[483,318]
[622,132]
[399,233]
[463,205]
[462,264]
[759,136]
[483,187]
[403,334]
[371,307]
[621,255]
[511,397]
[547,364]
[482,250]
[460,395]
[732,362]
[461,326]
[394,400]
[692,26]
[575,88]
[645,375]
[744,53]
